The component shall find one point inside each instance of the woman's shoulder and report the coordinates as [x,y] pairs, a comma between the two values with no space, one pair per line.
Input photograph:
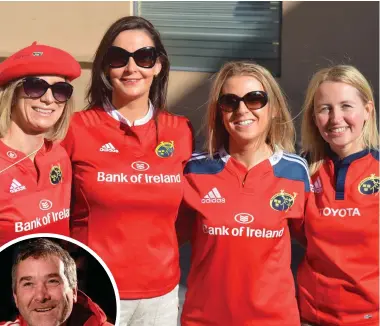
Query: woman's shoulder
[291,159]
[170,119]
[56,149]
[375,154]
[290,166]
[88,117]
[204,163]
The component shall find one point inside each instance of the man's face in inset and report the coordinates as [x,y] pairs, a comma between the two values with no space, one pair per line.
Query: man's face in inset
[42,292]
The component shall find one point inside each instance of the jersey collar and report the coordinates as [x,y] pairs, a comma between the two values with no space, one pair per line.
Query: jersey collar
[13,155]
[114,113]
[348,159]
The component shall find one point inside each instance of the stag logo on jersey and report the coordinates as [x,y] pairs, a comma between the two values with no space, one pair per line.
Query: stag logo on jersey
[11,154]
[55,174]
[45,204]
[370,185]
[282,201]
[140,166]
[165,149]
[244,218]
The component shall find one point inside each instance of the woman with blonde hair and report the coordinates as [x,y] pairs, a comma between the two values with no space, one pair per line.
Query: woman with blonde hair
[339,276]
[241,196]
[35,171]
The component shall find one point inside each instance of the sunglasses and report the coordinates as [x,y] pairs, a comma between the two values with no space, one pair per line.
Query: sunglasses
[145,57]
[253,100]
[36,87]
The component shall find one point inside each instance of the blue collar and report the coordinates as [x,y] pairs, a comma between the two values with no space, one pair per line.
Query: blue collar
[348,159]
[341,168]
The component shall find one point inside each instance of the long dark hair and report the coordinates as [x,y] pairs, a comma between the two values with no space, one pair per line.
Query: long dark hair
[100,89]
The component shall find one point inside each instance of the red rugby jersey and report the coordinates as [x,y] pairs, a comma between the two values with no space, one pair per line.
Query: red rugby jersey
[127,188]
[339,276]
[85,313]
[240,267]
[35,197]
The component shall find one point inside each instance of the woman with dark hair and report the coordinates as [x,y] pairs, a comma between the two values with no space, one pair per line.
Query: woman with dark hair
[127,155]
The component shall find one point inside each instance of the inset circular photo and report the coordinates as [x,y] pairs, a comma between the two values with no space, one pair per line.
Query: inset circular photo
[53,280]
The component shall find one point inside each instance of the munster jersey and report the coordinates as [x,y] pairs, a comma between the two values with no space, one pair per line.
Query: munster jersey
[127,188]
[34,196]
[240,267]
[339,277]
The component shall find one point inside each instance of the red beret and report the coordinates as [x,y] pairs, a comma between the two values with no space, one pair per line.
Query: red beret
[37,60]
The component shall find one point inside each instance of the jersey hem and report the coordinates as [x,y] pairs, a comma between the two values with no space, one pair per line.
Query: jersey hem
[127,295]
[370,322]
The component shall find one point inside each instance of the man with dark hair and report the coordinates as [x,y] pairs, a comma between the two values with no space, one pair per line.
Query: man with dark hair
[44,284]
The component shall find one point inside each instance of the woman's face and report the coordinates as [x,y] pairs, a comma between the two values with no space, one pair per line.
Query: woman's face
[37,115]
[132,82]
[340,115]
[243,125]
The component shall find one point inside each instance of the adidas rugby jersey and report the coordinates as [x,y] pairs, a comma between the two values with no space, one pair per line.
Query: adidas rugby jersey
[240,267]
[339,276]
[127,188]
[34,197]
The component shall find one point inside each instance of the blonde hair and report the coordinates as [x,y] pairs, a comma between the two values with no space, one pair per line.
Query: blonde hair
[281,133]
[312,142]
[8,94]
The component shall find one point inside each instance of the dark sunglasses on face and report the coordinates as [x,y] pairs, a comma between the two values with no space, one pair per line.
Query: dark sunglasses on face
[253,100]
[36,87]
[145,57]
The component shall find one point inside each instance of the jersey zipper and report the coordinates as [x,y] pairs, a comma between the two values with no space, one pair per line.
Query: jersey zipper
[245,177]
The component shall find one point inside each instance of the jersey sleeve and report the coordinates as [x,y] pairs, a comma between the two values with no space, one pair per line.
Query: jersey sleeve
[297,232]
[297,226]
[295,168]
[188,142]
[187,212]
[184,223]
[69,141]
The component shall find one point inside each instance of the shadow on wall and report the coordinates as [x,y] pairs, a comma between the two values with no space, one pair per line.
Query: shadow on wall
[194,106]
[317,34]
[314,35]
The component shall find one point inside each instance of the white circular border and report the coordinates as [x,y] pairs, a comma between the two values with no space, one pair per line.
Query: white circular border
[80,244]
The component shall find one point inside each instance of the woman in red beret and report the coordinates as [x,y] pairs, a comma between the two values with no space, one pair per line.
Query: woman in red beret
[35,171]
[127,153]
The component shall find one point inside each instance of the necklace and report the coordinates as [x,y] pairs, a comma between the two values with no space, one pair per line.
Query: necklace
[30,154]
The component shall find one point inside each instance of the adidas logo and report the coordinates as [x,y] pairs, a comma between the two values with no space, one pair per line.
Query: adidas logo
[108,148]
[16,186]
[317,186]
[213,197]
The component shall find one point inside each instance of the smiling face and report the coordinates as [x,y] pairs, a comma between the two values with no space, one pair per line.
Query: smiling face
[132,82]
[42,293]
[245,126]
[39,115]
[340,115]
